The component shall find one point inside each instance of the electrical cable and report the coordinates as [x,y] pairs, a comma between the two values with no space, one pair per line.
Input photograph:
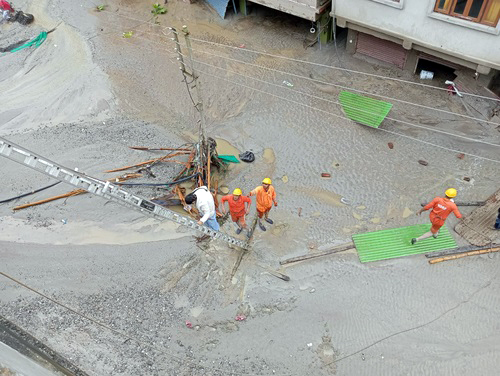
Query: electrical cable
[342,117]
[30,193]
[347,106]
[319,81]
[348,88]
[337,68]
[384,130]
[128,337]
[301,61]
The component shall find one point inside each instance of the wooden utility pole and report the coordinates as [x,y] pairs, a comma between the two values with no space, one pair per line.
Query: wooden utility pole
[197,86]
[202,147]
[179,51]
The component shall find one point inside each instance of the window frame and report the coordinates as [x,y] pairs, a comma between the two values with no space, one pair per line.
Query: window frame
[448,11]
[392,3]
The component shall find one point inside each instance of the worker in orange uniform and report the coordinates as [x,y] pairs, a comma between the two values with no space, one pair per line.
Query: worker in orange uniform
[237,208]
[265,197]
[441,208]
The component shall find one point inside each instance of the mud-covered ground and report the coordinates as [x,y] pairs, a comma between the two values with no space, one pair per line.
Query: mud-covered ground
[88,93]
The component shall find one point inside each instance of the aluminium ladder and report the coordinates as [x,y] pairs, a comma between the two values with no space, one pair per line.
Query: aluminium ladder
[106,190]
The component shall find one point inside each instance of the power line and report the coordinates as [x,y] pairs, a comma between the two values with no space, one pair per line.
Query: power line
[162,29]
[349,88]
[367,113]
[341,69]
[127,336]
[313,63]
[343,117]
[384,130]
[308,62]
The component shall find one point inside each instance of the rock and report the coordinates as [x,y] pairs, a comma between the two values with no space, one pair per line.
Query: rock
[422,162]
[224,190]
[391,145]
[284,179]
[461,156]
[466,178]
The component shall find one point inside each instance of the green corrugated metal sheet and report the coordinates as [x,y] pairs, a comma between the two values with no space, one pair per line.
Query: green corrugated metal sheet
[364,110]
[395,242]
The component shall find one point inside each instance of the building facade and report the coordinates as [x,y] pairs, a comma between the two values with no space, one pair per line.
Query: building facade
[454,33]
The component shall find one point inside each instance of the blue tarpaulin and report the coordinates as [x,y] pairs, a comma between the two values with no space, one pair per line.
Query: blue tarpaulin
[221,6]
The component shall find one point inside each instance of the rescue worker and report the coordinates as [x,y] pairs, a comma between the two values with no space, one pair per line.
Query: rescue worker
[441,208]
[205,205]
[265,196]
[237,208]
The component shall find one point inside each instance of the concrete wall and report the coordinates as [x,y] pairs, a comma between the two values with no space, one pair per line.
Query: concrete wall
[307,9]
[413,24]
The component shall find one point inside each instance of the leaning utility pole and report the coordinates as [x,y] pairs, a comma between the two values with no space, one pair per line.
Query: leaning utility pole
[203,152]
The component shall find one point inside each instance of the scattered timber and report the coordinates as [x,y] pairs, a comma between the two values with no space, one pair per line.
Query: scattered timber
[145,148]
[75,192]
[242,252]
[464,254]
[457,250]
[339,248]
[275,273]
[65,195]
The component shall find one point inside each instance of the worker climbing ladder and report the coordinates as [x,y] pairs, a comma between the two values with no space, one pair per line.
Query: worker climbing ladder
[106,190]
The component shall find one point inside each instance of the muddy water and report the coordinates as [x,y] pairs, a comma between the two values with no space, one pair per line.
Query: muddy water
[326,197]
[268,156]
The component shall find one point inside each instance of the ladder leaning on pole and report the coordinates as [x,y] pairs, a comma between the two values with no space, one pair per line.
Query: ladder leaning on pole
[106,190]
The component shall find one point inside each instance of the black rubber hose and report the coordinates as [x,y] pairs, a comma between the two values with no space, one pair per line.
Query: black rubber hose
[29,193]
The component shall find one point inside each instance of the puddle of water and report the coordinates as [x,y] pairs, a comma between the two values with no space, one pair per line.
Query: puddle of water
[327,197]
[269,156]
[225,148]
[407,212]
[357,216]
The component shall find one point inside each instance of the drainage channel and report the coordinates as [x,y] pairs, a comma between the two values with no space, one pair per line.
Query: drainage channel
[25,346]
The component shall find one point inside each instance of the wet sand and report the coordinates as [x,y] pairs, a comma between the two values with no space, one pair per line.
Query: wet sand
[85,101]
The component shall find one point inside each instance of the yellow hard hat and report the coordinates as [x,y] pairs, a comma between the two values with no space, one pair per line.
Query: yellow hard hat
[237,192]
[451,192]
[266,181]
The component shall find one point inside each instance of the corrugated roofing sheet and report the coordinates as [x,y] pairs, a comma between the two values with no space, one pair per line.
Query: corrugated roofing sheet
[477,228]
[396,242]
[364,110]
[220,6]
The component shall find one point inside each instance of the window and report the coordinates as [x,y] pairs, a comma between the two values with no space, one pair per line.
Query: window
[486,12]
[392,3]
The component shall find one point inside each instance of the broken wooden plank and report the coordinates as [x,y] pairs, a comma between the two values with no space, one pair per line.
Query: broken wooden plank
[145,148]
[242,253]
[339,248]
[275,273]
[75,192]
[453,251]
[65,195]
[156,160]
[464,254]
